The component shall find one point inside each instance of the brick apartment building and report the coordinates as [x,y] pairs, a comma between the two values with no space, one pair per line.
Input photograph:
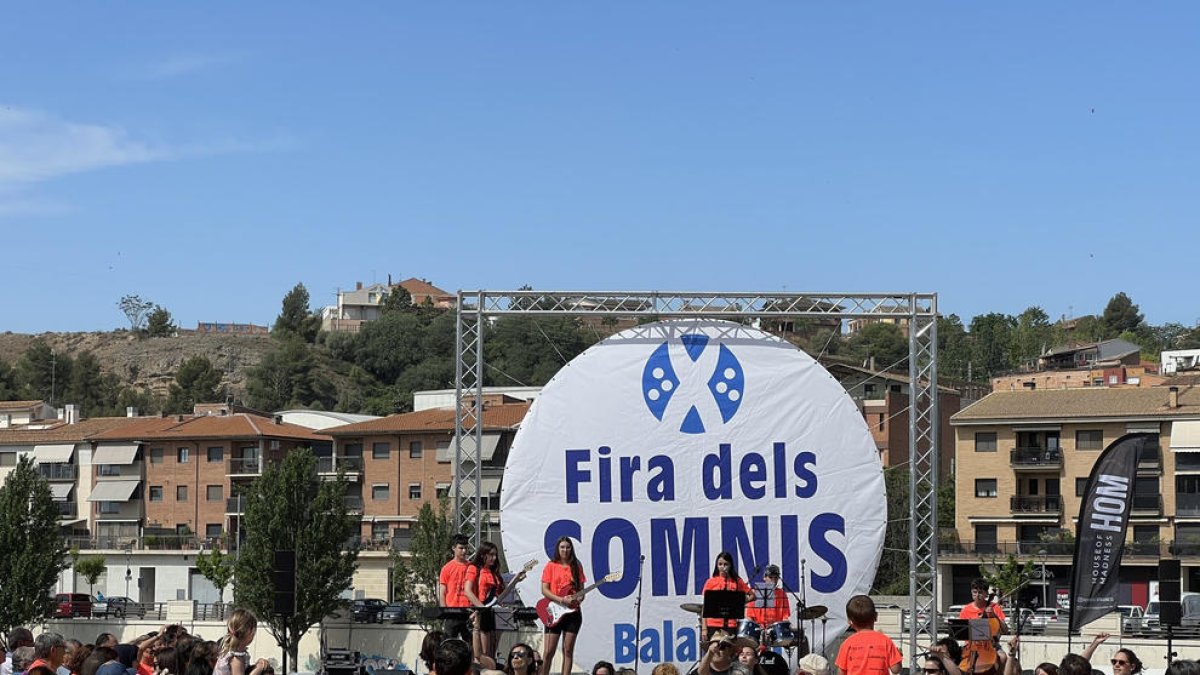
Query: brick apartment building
[1023,458]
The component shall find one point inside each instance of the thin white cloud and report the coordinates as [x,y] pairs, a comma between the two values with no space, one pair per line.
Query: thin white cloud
[37,147]
[183,64]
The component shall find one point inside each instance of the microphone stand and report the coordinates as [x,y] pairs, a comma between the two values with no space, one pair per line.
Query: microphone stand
[800,600]
[637,609]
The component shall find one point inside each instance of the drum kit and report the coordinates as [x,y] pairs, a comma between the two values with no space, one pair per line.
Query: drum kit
[779,634]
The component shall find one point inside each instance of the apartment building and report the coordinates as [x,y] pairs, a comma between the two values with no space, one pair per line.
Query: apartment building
[170,481]
[1023,459]
[402,461]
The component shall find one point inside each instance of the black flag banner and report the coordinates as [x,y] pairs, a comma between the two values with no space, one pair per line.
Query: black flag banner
[1100,533]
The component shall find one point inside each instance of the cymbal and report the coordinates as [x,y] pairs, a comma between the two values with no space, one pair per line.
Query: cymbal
[693,607]
[813,612]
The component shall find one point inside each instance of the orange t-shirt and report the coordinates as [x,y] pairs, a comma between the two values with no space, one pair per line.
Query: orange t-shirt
[487,584]
[868,652]
[719,583]
[453,576]
[973,612]
[561,582]
[766,616]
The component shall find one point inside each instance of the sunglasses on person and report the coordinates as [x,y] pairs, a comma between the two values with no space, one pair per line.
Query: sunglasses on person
[1120,662]
[932,670]
[520,655]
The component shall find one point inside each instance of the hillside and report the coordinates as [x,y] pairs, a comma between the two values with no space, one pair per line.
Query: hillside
[150,362]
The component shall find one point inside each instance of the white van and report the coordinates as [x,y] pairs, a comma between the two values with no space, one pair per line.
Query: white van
[1189,609]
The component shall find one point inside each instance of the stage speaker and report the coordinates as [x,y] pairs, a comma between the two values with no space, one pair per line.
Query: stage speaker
[1169,611]
[283,577]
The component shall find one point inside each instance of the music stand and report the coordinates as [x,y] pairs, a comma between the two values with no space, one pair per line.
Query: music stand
[728,606]
[764,596]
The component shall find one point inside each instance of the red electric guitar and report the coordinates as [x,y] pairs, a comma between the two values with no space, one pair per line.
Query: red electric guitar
[551,612]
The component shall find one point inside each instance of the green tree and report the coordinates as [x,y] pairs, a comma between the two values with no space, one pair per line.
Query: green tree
[8,382]
[1006,577]
[289,509]
[991,341]
[415,575]
[288,376]
[136,310]
[95,392]
[397,300]
[1031,336]
[217,567]
[1120,315]
[884,342]
[954,348]
[530,349]
[91,568]
[891,577]
[159,323]
[195,382]
[43,373]
[33,545]
[297,319]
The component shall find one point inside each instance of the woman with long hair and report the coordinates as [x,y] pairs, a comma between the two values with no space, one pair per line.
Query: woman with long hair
[483,585]
[562,582]
[522,660]
[724,578]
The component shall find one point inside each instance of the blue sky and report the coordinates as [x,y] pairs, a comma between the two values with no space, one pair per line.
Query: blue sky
[208,156]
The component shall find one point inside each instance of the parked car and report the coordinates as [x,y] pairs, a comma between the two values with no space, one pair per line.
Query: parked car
[118,606]
[70,605]
[1131,618]
[1052,617]
[1027,619]
[394,613]
[367,610]
[1189,610]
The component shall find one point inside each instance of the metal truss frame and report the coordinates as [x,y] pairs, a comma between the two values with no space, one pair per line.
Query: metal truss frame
[917,310]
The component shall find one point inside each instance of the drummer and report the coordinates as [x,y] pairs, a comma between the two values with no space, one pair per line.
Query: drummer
[780,609]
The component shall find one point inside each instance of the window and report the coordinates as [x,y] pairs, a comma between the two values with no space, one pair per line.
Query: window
[156,455]
[108,470]
[1089,439]
[868,390]
[8,459]
[381,450]
[985,487]
[352,450]
[985,538]
[379,531]
[182,455]
[212,530]
[110,507]
[1080,486]
[414,491]
[181,493]
[214,493]
[415,450]
[442,490]
[985,441]
[216,454]
[156,493]
[380,493]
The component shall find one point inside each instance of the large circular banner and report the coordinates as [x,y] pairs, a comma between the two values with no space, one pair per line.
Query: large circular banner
[668,443]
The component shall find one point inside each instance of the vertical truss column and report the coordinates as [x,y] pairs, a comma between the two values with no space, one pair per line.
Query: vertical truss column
[468,416]
[923,430]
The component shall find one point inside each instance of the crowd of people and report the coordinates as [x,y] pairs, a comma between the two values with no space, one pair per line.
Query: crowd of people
[168,651]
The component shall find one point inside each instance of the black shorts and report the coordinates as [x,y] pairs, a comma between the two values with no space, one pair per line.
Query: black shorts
[569,624]
[487,619]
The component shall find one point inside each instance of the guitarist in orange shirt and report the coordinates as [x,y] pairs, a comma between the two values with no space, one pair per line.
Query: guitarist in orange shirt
[562,581]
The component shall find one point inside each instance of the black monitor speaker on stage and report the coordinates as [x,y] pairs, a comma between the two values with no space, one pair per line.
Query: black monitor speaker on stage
[1169,612]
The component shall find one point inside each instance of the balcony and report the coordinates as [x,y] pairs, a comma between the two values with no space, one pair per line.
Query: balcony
[354,503]
[1187,505]
[245,466]
[330,465]
[66,510]
[234,506]
[1146,505]
[974,549]
[58,471]
[1026,504]
[1036,458]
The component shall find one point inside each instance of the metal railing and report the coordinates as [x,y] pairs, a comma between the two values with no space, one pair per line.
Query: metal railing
[332,464]
[247,466]
[1138,549]
[211,611]
[1031,456]
[1027,504]
[58,471]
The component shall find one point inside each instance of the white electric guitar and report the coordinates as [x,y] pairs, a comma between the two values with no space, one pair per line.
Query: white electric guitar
[512,585]
[551,612]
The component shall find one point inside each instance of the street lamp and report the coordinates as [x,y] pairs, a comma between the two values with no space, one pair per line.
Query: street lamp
[1045,582]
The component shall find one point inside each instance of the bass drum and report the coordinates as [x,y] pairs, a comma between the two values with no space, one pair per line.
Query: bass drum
[780,634]
[749,629]
[771,663]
